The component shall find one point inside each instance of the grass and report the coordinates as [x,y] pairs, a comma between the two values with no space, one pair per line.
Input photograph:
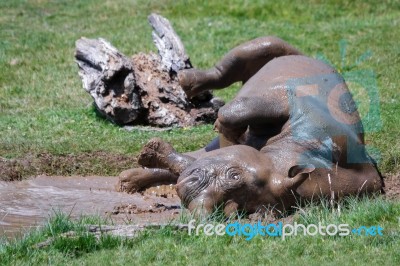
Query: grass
[168,246]
[43,109]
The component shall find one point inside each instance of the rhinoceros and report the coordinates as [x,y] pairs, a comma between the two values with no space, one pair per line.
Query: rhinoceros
[291,134]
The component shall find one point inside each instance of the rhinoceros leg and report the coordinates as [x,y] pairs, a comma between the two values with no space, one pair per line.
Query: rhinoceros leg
[239,64]
[138,179]
[159,154]
[239,120]
[163,165]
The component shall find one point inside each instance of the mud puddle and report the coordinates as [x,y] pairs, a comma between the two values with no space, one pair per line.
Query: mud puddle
[29,203]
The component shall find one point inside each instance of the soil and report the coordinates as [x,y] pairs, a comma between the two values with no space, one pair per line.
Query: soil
[392,186]
[95,163]
[163,99]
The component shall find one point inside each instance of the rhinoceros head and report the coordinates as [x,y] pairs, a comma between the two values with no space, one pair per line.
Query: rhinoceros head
[237,178]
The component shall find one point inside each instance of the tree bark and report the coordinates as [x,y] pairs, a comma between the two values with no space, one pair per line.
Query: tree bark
[169,45]
[107,75]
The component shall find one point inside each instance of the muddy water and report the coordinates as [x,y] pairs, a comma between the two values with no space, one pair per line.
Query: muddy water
[29,203]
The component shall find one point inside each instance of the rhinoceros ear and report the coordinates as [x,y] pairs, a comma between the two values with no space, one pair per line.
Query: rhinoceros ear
[300,169]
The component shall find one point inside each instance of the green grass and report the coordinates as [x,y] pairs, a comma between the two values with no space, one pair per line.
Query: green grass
[168,246]
[43,109]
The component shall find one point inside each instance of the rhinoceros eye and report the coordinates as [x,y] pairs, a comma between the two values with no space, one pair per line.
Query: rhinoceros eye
[233,174]
[196,171]
[196,174]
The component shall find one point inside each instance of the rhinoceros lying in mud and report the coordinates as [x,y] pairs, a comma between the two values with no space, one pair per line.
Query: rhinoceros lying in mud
[292,133]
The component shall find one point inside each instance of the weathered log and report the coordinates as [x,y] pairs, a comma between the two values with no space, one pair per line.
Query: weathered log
[144,89]
[169,45]
[107,75]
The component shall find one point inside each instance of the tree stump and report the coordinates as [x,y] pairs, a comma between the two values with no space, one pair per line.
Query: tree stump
[143,89]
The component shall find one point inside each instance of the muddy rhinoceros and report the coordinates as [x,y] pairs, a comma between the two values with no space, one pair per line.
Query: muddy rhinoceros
[292,133]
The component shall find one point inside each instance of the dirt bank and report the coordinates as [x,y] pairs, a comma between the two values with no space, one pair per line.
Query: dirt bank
[392,186]
[94,163]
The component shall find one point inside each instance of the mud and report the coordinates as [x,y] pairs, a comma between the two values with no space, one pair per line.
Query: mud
[65,165]
[29,203]
[392,186]
[163,99]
